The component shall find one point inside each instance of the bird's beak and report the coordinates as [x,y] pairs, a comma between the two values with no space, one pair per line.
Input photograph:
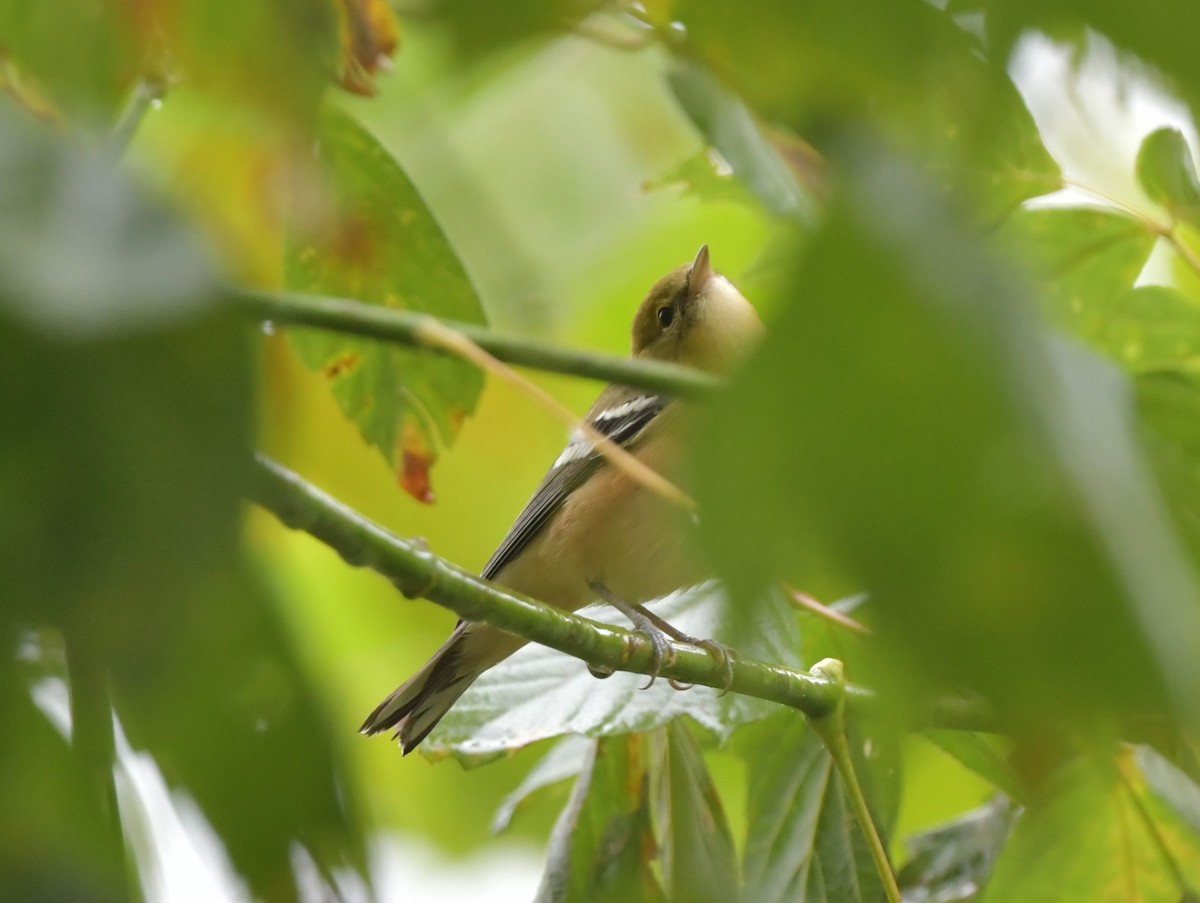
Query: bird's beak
[699,274]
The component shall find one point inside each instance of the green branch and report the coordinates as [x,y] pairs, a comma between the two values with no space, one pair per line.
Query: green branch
[389,324]
[418,572]
[831,727]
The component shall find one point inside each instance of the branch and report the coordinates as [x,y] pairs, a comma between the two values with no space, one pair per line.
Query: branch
[831,728]
[417,572]
[404,327]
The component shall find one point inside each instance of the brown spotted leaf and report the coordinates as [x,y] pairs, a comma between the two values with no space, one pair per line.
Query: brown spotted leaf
[375,240]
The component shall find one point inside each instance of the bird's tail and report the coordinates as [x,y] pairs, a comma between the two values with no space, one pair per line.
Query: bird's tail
[424,698]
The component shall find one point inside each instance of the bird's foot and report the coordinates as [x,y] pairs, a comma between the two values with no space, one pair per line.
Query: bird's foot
[661,650]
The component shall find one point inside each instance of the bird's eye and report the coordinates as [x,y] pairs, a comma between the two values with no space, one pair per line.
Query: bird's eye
[665,316]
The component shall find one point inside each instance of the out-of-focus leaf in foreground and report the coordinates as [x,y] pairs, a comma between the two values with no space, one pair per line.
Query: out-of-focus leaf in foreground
[602,845]
[731,129]
[275,57]
[80,255]
[376,241]
[803,841]
[1099,834]
[124,444]
[541,693]
[979,481]
[51,836]
[914,74]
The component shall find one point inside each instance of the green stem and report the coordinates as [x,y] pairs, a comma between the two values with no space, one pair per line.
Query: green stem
[94,748]
[416,571]
[145,92]
[831,727]
[390,324]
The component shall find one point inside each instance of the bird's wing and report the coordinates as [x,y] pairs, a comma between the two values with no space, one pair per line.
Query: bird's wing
[620,414]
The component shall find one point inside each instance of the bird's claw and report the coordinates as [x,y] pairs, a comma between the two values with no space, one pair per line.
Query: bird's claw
[723,657]
[662,652]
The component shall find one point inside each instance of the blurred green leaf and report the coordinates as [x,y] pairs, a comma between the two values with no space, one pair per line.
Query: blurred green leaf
[915,75]
[803,841]
[273,55]
[124,444]
[1151,328]
[699,862]
[951,863]
[1167,174]
[980,753]
[541,693]
[1097,835]
[982,485]
[565,760]
[598,851]
[81,255]
[51,836]
[275,779]
[730,128]
[80,55]
[1171,785]
[481,28]
[379,243]
[702,176]
[1085,262]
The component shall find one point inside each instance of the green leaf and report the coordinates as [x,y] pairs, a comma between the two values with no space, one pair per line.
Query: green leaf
[1167,174]
[379,243]
[541,693]
[699,862]
[803,842]
[565,760]
[1096,835]
[126,426]
[981,754]
[276,57]
[276,781]
[1085,262]
[1151,328]
[600,848]
[731,129]
[1171,785]
[951,863]
[701,176]
[935,450]
[915,76]
[52,835]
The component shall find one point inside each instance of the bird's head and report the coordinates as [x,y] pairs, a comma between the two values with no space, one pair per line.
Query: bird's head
[695,316]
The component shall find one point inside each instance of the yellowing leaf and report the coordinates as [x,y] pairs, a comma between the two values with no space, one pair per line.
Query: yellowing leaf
[376,241]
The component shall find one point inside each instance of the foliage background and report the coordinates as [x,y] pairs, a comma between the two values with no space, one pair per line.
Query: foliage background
[567,175]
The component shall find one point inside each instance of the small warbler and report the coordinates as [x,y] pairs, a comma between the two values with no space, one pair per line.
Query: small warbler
[590,531]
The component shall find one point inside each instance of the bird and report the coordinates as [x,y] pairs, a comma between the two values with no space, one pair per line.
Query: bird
[591,532]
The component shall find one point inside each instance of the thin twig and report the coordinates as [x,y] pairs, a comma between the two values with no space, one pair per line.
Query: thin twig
[145,93]
[389,324]
[804,600]
[435,334]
